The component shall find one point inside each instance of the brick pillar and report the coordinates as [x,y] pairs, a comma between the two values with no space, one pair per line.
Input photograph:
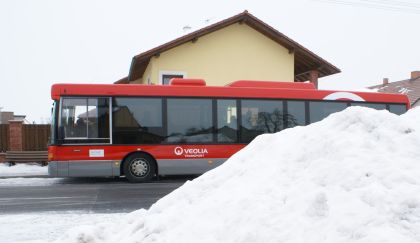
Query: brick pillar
[16,135]
[313,77]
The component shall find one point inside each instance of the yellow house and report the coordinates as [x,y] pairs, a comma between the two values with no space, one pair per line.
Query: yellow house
[241,47]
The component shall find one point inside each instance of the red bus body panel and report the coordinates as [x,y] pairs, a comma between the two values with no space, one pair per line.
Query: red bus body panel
[118,152]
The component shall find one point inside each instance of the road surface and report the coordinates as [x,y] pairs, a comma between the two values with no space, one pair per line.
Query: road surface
[91,195]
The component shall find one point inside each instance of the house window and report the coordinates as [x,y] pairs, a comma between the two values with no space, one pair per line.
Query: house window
[166,76]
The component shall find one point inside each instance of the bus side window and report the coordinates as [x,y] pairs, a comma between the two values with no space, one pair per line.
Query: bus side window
[260,116]
[397,109]
[189,120]
[137,120]
[318,110]
[74,109]
[296,115]
[84,120]
[227,122]
[375,106]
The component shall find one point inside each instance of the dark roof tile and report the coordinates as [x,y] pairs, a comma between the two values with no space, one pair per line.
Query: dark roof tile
[409,87]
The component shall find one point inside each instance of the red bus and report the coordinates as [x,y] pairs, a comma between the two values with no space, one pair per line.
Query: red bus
[143,131]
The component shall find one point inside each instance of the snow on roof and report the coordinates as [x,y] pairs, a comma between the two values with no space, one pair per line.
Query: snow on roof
[353,177]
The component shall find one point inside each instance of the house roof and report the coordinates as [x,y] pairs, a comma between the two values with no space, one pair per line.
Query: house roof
[305,60]
[409,87]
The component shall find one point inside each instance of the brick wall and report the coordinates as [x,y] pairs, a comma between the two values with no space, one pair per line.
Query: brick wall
[16,130]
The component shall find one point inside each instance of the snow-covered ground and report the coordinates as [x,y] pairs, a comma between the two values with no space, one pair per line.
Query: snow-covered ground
[353,177]
[21,181]
[41,228]
[22,170]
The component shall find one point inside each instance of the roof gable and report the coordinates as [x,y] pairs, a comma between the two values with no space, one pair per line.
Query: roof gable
[305,60]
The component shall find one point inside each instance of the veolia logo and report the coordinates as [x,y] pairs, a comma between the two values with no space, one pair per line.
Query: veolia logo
[178,150]
[190,152]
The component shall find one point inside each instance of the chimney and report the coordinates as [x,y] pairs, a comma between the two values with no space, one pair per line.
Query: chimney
[385,81]
[415,74]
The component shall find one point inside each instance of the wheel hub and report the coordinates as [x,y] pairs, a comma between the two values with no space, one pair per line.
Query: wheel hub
[139,167]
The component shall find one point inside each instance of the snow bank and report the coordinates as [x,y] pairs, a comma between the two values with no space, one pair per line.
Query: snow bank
[45,227]
[22,169]
[21,181]
[353,177]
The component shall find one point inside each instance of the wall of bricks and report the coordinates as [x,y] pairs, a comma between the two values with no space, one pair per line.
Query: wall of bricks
[16,135]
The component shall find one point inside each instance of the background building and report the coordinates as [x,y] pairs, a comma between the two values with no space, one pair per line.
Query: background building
[409,87]
[241,47]
[6,116]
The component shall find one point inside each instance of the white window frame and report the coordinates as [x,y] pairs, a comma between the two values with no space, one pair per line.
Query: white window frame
[161,73]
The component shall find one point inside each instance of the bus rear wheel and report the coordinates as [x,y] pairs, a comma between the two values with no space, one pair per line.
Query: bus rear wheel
[139,168]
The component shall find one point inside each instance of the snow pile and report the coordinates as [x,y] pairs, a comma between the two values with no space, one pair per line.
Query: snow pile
[45,227]
[24,181]
[353,177]
[22,169]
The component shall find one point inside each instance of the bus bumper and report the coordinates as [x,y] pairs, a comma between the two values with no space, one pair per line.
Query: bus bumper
[84,168]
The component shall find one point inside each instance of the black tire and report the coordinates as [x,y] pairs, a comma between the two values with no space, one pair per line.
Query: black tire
[139,168]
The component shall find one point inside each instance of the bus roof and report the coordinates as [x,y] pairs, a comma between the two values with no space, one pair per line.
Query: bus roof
[239,89]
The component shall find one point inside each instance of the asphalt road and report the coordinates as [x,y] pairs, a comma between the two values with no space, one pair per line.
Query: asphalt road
[93,195]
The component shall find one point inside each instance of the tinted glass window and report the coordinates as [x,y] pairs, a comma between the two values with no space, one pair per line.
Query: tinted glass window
[320,110]
[98,118]
[295,113]
[85,118]
[260,116]
[227,121]
[370,105]
[190,120]
[71,111]
[397,109]
[137,121]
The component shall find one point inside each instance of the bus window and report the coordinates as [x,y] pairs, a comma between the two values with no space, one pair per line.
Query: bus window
[98,118]
[397,109]
[85,119]
[227,121]
[370,105]
[137,121]
[318,110]
[190,121]
[295,113]
[260,116]
[71,120]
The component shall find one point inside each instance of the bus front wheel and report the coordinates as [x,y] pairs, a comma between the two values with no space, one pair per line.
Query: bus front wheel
[139,168]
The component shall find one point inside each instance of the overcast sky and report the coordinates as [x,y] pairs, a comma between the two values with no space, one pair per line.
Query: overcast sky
[84,41]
